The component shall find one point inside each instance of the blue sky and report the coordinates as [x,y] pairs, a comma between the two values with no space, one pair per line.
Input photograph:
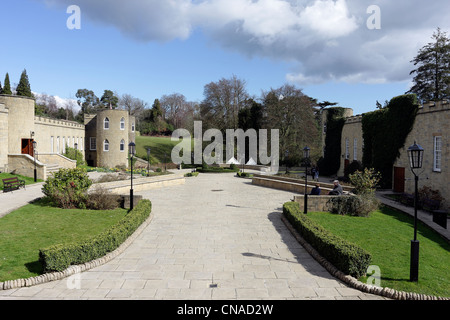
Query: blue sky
[148,48]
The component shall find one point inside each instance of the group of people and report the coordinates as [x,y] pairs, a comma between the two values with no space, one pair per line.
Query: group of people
[337,190]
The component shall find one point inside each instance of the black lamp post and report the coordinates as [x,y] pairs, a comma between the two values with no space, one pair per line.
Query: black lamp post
[148,161]
[415,155]
[34,156]
[132,151]
[76,153]
[306,157]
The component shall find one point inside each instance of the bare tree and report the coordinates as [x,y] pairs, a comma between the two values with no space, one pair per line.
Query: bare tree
[222,102]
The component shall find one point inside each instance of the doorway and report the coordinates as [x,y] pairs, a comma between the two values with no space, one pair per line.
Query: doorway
[27,147]
[399,179]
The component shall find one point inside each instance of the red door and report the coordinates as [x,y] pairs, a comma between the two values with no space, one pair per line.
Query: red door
[27,147]
[399,179]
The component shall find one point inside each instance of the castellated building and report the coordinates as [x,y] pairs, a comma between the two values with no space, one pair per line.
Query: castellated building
[431,131]
[103,139]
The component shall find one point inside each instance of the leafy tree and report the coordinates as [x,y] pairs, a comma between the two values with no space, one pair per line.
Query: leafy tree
[109,100]
[88,102]
[23,89]
[290,111]
[1,87]
[6,85]
[432,76]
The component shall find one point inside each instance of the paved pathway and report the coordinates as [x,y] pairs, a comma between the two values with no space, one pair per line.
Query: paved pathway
[216,237]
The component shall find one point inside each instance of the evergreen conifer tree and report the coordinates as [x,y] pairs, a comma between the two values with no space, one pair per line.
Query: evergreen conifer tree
[432,76]
[23,89]
[6,85]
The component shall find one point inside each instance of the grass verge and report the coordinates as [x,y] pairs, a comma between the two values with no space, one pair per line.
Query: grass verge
[35,226]
[387,235]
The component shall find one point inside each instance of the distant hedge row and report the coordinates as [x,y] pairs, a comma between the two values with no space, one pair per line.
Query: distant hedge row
[60,257]
[346,257]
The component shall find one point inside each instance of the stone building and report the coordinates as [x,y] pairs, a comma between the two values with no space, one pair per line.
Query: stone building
[19,128]
[431,130]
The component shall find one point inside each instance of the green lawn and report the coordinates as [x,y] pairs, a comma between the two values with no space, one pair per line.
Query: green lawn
[28,180]
[35,226]
[387,235]
[158,146]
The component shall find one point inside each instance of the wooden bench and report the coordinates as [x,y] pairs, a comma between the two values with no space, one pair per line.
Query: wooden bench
[10,184]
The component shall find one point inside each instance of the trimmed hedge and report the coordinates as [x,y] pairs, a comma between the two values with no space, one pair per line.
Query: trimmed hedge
[60,257]
[345,256]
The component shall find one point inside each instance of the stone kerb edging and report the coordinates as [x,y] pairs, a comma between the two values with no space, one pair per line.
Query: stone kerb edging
[353,282]
[47,277]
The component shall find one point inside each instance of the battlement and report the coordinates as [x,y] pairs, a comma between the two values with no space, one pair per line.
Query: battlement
[57,122]
[435,106]
[353,119]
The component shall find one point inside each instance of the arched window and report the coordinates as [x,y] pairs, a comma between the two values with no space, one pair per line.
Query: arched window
[132,127]
[122,146]
[106,145]
[122,124]
[106,123]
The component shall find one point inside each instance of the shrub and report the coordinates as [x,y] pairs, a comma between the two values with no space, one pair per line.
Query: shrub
[365,181]
[345,256]
[67,188]
[191,174]
[356,205]
[102,199]
[74,154]
[60,257]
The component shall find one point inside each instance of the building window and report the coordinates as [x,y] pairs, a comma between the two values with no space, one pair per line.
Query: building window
[355,149]
[93,144]
[64,145]
[437,153]
[106,124]
[106,145]
[132,127]
[122,146]
[57,145]
[122,124]
[347,149]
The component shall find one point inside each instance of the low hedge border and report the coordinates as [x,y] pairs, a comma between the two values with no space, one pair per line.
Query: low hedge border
[346,256]
[292,212]
[120,236]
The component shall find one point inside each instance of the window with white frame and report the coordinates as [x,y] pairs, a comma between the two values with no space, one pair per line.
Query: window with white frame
[93,143]
[57,145]
[106,145]
[122,146]
[132,127]
[122,124]
[106,123]
[437,153]
[355,149]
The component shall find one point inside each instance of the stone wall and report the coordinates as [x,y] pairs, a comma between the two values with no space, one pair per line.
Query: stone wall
[432,120]
[315,203]
[23,164]
[3,138]
[53,135]
[20,121]
[351,133]
[60,160]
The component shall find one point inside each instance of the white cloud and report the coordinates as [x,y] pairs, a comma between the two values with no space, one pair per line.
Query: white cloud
[324,39]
